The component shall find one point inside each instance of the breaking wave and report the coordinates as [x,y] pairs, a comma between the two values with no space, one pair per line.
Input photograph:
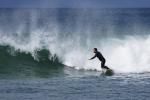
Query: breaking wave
[67,36]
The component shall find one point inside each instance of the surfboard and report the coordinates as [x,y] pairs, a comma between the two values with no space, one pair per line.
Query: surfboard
[107,72]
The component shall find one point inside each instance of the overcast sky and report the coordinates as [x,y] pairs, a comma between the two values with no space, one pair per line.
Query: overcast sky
[75,3]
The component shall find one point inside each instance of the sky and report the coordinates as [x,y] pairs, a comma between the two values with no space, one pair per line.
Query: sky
[74,3]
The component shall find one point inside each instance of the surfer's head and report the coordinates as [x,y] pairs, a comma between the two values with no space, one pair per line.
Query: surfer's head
[94,50]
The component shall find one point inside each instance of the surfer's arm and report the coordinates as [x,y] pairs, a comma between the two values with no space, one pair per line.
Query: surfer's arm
[92,57]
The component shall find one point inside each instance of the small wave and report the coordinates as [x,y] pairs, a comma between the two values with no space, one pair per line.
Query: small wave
[10,55]
[23,64]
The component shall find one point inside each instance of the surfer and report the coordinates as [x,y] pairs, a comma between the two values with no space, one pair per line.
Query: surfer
[100,57]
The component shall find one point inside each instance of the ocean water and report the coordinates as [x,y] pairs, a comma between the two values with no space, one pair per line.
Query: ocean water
[75,85]
[44,54]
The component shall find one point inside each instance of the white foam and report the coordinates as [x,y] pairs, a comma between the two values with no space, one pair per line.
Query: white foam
[131,54]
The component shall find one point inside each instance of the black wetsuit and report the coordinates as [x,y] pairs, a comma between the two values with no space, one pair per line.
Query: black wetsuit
[101,58]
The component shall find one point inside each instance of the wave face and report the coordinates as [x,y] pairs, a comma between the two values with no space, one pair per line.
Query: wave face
[10,55]
[14,63]
[122,35]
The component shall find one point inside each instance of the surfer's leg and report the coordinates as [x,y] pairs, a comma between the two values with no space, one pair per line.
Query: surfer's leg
[103,64]
[106,67]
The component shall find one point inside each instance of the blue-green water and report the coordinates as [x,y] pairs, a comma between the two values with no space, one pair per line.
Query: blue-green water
[77,85]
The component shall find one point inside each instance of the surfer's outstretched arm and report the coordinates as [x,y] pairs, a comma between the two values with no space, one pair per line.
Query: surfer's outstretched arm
[92,57]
